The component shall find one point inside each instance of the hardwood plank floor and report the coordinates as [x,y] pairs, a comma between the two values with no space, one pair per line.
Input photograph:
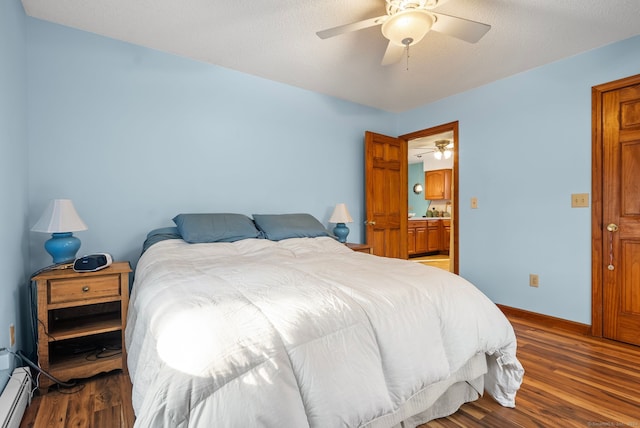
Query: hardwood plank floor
[570,381]
[100,402]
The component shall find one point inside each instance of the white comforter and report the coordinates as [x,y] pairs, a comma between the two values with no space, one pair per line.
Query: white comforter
[298,333]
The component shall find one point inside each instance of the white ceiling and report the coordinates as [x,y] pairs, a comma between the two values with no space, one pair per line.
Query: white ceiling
[276,40]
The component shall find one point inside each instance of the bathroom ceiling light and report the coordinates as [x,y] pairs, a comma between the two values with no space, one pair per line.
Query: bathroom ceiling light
[443,149]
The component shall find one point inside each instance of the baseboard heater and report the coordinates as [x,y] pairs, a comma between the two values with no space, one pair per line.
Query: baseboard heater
[15,398]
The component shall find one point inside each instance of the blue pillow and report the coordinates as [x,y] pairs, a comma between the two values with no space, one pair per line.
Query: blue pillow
[283,226]
[157,235]
[219,227]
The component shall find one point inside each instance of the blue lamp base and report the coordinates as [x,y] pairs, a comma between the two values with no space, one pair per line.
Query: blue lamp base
[341,231]
[62,247]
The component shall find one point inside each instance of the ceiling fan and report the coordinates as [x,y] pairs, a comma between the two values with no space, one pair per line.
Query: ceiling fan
[441,149]
[408,21]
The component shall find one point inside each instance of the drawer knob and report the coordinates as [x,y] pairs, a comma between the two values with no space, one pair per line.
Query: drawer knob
[85,288]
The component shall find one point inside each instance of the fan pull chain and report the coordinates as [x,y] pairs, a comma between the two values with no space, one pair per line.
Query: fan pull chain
[407,58]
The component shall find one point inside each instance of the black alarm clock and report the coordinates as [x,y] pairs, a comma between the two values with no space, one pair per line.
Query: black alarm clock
[92,262]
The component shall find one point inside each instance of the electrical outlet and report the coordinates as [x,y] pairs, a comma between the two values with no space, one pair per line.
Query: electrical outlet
[12,335]
[533,280]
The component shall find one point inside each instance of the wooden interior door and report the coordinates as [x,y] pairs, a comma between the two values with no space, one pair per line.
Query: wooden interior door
[386,195]
[617,180]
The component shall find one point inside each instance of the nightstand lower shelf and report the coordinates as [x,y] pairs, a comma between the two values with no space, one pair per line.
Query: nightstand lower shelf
[95,325]
[78,367]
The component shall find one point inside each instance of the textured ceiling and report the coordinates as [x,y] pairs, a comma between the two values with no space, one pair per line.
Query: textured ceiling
[276,40]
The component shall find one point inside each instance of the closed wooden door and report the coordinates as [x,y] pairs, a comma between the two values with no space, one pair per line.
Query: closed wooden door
[620,219]
[386,195]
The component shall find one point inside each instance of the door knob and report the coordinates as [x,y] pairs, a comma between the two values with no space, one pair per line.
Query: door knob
[612,227]
[370,223]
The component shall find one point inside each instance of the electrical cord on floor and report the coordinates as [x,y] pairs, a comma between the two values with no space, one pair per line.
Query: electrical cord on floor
[68,391]
[34,366]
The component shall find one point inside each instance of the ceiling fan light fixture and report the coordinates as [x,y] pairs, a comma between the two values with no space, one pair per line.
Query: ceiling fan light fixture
[443,149]
[408,27]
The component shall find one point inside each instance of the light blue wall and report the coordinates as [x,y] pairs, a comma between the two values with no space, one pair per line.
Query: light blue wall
[13,175]
[525,146]
[135,136]
[417,203]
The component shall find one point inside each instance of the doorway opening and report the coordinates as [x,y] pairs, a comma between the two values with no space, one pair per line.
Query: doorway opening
[432,232]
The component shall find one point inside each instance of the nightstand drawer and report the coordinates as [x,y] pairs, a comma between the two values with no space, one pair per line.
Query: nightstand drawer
[72,289]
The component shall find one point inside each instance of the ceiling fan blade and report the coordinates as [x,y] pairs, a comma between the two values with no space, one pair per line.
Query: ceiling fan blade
[393,54]
[347,28]
[460,28]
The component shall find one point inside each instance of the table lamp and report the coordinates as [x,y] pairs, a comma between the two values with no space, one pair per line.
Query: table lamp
[61,219]
[341,216]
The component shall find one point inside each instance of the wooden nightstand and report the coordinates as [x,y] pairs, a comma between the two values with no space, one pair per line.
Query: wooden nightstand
[362,248]
[81,322]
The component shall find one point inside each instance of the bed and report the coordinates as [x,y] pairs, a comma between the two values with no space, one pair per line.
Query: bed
[269,322]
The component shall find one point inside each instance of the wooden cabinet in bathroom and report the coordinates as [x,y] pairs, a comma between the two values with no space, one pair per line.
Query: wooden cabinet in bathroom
[437,184]
[411,239]
[417,237]
[446,235]
[428,236]
[434,235]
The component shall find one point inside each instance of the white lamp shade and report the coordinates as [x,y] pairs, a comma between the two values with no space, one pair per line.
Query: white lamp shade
[59,217]
[340,215]
[408,27]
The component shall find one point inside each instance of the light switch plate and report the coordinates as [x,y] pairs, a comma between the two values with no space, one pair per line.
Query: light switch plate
[579,200]
[534,280]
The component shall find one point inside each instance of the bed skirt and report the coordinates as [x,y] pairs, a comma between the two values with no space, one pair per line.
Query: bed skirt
[440,399]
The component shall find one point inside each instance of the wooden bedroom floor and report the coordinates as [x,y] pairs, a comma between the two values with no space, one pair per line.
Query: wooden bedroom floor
[101,402]
[570,381]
